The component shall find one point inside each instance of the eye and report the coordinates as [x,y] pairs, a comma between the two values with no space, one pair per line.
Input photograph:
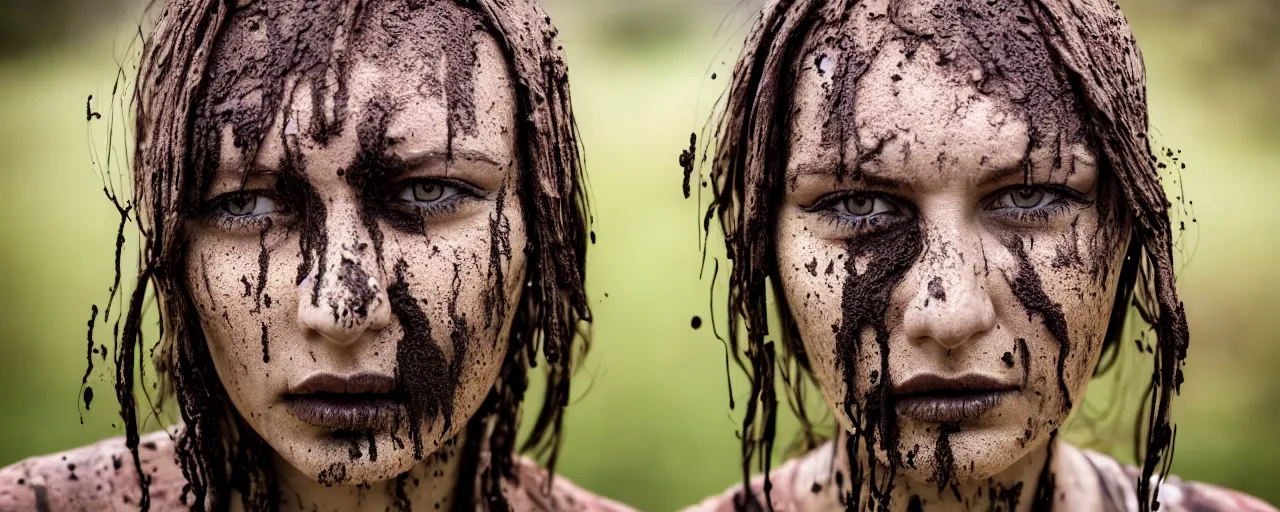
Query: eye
[1026,198]
[1037,203]
[242,211]
[864,206]
[247,204]
[858,213]
[426,191]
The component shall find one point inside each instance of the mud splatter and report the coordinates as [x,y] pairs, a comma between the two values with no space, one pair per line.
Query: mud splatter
[358,295]
[335,474]
[264,260]
[353,443]
[686,162]
[1008,497]
[1026,361]
[944,459]
[935,290]
[890,253]
[42,498]
[88,357]
[495,299]
[266,348]
[401,503]
[1029,291]
[1047,483]
[460,331]
[422,370]
[89,114]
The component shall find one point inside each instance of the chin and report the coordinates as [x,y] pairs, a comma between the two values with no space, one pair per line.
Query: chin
[335,463]
[974,452]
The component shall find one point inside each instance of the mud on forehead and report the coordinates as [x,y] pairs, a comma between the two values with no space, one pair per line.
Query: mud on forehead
[995,46]
[271,47]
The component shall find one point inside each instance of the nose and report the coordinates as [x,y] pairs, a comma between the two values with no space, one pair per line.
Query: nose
[951,303]
[344,297]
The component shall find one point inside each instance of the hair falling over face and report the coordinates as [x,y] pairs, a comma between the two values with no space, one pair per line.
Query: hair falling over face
[1090,44]
[218,452]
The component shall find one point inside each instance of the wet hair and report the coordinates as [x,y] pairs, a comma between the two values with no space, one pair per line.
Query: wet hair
[1092,50]
[175,148]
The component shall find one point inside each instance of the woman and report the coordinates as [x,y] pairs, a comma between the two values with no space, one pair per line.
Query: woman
[954,203]
[362,219]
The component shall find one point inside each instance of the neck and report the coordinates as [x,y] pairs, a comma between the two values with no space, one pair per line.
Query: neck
[1016,489]
[430,485]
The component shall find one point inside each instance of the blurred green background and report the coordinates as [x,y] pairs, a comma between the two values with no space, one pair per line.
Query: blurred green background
[651,424]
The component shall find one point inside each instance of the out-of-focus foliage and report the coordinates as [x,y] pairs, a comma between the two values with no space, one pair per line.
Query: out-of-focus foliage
[650,424]
[28,25]
[1232,51]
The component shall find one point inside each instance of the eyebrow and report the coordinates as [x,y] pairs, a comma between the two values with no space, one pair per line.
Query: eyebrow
[242,174]
[1005,173]
[869,178]
[427,157]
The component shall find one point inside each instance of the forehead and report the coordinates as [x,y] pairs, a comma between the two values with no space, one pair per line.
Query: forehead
[931,80]
[428,72]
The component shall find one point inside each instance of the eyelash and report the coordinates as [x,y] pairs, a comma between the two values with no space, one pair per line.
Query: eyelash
[1064,199]
[464,192]
[825,207]
[214,216]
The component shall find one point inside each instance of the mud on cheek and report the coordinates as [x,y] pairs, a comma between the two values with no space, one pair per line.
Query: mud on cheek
[888,255]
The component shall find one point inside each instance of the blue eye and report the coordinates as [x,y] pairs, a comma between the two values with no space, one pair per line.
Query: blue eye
[424,191]
[431,197]
[1035,204]
[242,211]
[245,205]
[1026,198]
[861,212]
[864,206]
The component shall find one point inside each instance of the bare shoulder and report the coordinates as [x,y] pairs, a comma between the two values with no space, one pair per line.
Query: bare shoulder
[531,493]
[97,477]
[797,484]
[1176,495]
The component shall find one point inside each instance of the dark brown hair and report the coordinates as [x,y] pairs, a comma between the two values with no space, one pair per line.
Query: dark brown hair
[168,176]
[1090,41]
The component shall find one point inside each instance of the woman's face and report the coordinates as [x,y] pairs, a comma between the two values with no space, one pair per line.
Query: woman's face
[960,254]
[357,284]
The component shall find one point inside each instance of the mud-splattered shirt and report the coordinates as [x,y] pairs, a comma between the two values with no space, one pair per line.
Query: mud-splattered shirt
[799,483]
[101,478]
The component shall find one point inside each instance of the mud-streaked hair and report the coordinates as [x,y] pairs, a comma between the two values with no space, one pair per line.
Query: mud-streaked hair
[551,316]
[1092,43]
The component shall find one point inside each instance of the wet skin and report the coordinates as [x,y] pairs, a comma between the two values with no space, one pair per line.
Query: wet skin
[396,284]
[1011,263]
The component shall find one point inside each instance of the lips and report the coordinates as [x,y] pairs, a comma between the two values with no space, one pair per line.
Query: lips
[358,402]
[934,398]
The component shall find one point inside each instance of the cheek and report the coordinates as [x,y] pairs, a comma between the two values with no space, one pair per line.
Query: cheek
[241,290]
[1079,268]
[468,276]
[812,271]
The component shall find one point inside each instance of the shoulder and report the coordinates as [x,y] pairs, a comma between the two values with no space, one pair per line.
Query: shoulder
[531,493]
[797,484]
[99,477]
[1176,495]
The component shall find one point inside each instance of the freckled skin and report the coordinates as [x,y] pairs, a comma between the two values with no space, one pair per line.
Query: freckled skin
[340,318]
[955,312]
